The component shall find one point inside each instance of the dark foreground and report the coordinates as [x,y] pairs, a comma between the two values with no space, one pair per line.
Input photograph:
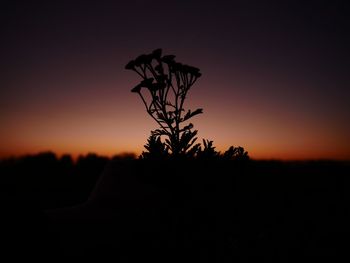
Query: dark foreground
[177,211]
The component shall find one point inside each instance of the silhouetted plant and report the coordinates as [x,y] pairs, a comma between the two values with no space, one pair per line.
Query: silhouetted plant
[163,89]
[208,151]
[156,149]
[167,82]
[235,153]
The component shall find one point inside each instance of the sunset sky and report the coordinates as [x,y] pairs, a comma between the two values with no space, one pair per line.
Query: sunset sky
[276,74]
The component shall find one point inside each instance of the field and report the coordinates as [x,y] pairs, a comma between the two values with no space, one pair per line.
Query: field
[132,210]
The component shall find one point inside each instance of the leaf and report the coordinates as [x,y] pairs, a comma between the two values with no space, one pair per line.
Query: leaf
[190,144]
[194,150]
[187,116]
[190,114]
[197,111]
[205,143]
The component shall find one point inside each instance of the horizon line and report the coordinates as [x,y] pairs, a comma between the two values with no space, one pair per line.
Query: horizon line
[76,156]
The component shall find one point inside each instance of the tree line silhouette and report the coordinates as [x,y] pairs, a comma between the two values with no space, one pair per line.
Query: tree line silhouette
[46,181]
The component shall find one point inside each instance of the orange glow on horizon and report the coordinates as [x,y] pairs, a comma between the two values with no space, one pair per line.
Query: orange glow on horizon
[99,129]
[111,120]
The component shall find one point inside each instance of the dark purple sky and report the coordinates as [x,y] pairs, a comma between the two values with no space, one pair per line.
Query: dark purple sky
[275,74]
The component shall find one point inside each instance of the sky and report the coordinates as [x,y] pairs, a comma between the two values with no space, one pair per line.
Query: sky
[275,74]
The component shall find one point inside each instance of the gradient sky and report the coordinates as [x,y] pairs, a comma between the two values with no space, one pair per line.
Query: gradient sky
[275,74]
